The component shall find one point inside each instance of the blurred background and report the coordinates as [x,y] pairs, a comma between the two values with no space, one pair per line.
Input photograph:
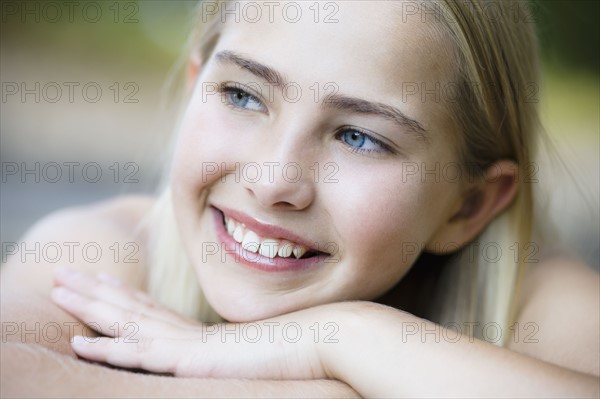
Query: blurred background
[83,95]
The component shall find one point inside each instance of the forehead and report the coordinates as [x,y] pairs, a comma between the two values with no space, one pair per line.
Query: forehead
[371,49]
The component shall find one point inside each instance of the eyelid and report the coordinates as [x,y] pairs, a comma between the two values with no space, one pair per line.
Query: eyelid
[230,86]
[385,147]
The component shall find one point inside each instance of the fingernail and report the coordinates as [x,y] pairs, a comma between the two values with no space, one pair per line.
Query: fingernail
[62,294]
[108,279]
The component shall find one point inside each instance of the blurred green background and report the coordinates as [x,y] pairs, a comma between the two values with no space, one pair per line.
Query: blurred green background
[135,44]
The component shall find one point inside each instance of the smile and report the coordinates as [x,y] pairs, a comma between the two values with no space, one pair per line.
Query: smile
[269,247]
[263,246]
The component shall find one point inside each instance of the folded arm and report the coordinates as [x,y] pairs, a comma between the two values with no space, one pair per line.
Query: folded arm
[377,350]
[34,371]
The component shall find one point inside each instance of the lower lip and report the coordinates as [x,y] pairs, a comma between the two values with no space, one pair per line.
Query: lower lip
[256,260]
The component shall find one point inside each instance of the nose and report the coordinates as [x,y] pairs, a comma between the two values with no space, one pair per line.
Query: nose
[280,185]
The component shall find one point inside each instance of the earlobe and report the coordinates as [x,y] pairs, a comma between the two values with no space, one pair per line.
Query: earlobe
[480,206]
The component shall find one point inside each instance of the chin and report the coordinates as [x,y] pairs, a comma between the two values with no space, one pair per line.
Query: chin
[243,309]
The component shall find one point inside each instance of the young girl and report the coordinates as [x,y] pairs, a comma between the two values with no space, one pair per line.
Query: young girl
[349,211]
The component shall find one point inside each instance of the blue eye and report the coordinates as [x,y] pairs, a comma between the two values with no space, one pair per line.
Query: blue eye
[239,98]
[362,142]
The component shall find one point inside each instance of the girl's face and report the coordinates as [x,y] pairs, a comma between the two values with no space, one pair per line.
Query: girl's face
[305,134]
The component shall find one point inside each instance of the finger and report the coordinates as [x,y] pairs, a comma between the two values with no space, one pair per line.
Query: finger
[110,290]
[152,354]
[135,294]
[104,287]
[112,320]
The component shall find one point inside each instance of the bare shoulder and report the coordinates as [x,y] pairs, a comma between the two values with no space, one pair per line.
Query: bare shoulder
[559,315]
[108,236]
[125,211]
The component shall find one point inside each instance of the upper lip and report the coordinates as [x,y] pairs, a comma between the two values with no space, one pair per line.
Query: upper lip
[268,230]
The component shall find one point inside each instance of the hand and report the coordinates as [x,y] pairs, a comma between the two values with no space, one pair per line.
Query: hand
[140,333]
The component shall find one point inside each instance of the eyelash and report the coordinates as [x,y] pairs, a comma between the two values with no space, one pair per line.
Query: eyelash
[236,88]
[227,88]
[384,148]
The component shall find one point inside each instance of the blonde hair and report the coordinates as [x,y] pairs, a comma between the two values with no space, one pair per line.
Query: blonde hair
[493,122]
[497,61]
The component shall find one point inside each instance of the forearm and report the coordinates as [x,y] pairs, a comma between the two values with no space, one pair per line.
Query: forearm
[377,357]
[33,371]
[33,319]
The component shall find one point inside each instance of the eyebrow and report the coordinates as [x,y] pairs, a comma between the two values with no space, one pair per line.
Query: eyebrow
[357,105]
[262,71]
[336,101]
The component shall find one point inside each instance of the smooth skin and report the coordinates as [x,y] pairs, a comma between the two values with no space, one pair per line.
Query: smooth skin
[26,287]
[561,295]
[372,204]
[566,286]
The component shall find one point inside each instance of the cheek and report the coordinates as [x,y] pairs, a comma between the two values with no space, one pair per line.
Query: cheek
[212,139]
[205,146]
[384,221]
[196,165]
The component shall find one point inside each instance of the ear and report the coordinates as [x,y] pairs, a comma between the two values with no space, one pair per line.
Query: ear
[479,207]
[192,70]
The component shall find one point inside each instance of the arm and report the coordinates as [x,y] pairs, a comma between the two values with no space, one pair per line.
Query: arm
[27,313]
[30,318]
[36,333]
[559,297]
[34,352]
[377,350]
[21,364]
[403,356]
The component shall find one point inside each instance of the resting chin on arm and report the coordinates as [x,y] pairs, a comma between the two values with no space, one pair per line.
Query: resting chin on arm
[37,359]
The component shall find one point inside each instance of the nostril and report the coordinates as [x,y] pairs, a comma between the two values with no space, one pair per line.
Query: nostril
[278,204]
[283,204]
[280,194]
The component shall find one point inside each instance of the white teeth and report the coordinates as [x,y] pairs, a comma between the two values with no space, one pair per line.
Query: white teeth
[269,247]
[285,249]
[230,226]
[299,250]
[251,241]
[238,234]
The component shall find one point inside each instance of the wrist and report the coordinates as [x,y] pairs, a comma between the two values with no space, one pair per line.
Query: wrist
[347,323]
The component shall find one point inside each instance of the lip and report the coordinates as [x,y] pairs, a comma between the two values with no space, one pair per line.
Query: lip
[256,260]
[268,230]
